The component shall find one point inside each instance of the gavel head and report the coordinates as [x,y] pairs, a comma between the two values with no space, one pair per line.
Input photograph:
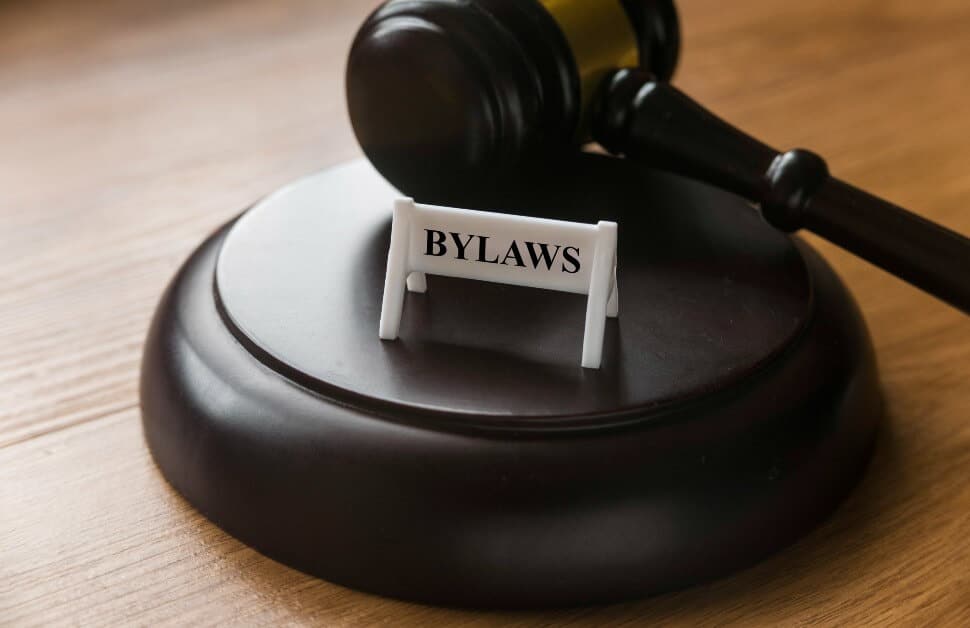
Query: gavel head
[443,92]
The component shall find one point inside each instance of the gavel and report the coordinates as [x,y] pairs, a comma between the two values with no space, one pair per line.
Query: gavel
[442,92]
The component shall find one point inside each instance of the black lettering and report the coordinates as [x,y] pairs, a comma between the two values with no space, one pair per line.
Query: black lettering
[514,253]
[435,239]
[571,258]
[482,243]
[461,245]
[542,254]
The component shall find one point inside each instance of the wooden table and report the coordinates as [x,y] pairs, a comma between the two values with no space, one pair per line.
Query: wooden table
[130,130]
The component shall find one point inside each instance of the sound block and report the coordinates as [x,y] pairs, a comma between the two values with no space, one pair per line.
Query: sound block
[472,461]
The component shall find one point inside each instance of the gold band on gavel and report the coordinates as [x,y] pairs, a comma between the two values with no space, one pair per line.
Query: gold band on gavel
[600,36]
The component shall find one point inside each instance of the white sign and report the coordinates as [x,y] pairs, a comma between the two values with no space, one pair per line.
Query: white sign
[518,250]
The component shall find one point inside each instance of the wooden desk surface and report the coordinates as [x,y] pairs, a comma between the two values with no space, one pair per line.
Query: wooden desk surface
[130,130]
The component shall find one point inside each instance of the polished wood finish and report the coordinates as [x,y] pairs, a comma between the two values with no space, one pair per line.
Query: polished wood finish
[131,130]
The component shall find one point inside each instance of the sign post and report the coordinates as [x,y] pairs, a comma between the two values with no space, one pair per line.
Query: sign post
[517,250]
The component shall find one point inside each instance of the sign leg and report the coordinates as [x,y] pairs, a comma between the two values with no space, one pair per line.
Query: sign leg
[601,277]
[613,305]
[392,305]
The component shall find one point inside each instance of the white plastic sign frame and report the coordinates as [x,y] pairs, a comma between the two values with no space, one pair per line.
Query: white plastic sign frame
[502,248]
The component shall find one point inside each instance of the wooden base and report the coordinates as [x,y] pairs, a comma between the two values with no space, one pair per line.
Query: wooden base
[472,461]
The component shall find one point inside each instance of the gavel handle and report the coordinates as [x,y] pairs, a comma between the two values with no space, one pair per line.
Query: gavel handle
[657,124]
[925,254]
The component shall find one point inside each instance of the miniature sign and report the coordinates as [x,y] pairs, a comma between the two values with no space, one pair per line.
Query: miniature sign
[518,250]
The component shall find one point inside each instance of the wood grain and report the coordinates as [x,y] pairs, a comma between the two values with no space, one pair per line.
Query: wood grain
[129,130]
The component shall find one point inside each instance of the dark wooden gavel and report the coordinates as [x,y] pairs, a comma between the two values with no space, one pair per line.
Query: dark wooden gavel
[443,92]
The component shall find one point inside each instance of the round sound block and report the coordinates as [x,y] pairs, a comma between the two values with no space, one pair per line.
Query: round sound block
[473,461]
